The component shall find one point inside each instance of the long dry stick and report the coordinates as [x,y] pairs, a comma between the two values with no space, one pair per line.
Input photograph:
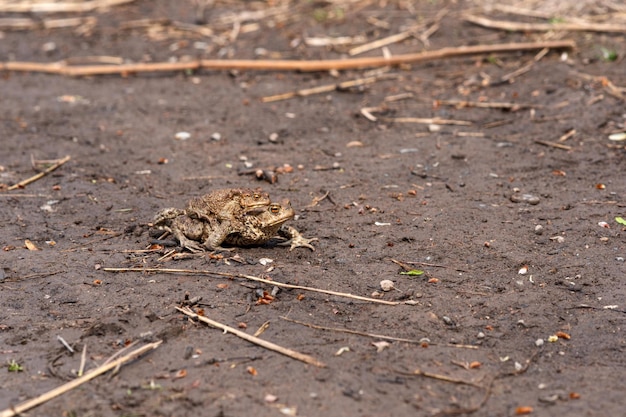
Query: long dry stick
[252,339]
[58,7]
[326,88]
[428,121]
[27,405]
[282,65]
[544,27]
[251,278]
[21,23]
[373,335]
[42,174]
[487,105]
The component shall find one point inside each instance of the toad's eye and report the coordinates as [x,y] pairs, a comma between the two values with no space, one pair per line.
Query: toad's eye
[274,209]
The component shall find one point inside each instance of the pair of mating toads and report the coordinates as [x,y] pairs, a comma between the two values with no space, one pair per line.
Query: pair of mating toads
[236,216]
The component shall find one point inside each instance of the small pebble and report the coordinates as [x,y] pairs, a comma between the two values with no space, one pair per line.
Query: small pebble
[480,335]
[216,136]
[539,342]
[182,135]
[526,198]
[539,229]
[386,285]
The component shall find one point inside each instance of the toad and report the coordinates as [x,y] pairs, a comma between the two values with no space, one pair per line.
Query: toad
[260,227]
[246,219]
[212,216]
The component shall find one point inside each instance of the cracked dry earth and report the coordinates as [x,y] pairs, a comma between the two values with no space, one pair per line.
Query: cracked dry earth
[521,306]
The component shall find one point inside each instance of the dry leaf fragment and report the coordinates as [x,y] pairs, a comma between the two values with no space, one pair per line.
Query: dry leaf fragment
[342,350]
[380,346]
[251,370]
[30,245]
[574,396]
[180,374]
[474,365]
[523,410]
[563,335]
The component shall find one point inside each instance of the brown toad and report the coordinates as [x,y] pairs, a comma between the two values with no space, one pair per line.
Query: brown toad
[199,229]
[227,204]
[212,217]
[260,227]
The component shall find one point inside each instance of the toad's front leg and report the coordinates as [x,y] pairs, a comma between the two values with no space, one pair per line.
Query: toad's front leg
[295,239]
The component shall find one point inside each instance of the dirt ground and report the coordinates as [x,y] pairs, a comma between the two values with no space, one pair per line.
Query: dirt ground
[524,187]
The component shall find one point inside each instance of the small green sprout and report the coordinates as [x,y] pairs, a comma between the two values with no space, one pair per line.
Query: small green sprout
[608,55]
[412,272]
[15,367]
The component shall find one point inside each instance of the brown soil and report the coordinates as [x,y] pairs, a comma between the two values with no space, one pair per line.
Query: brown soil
[450,200]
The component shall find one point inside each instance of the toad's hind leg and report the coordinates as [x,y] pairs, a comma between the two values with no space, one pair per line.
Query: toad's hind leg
[187,231]
[214,239]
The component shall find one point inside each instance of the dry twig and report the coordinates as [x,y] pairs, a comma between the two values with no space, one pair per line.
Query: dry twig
[27,405]
[544,27]
[459,104]
[428,121]
[252,339]
[252,278]
[42,174]
[376,336]
[609,87]
[24,23]
[280,65]
[58,7]
[327,88]
[553,145]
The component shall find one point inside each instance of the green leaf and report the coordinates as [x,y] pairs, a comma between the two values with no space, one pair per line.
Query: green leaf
[412,272]
[620,220]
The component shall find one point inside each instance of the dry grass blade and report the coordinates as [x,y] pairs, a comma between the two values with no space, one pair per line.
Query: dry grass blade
[428,121]
[252,339]
[486,104]
[27,405]
[252,278]
[326,88]
[544,27]
[373,335]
